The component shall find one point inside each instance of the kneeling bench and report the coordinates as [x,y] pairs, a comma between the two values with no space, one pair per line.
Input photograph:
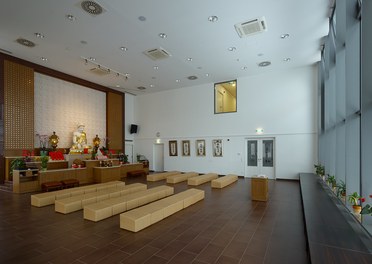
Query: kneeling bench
[70,183]
[48,186]
[142,217]
[160,176]
[181,177]
[136,173]
[224,181]
[202,179]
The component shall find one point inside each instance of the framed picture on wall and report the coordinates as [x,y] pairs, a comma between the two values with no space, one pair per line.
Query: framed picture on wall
[217,147]
[172,147]
[185,147]
[200,147]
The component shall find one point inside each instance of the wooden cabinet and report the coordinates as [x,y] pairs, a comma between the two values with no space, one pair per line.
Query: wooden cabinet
[260,189]
[26,181]
[106,174]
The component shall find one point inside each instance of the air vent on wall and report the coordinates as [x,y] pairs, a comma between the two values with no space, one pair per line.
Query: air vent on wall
[100,71]
[251,27]
[157,54]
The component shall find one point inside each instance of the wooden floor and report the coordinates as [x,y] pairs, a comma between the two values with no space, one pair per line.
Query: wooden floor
[226,227]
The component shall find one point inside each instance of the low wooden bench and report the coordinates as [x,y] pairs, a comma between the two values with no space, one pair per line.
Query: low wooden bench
[51,186]
[224,181]
[70,183]
[142,217]
[181,177]
[107,208]
[161,176]
[136,173]
[202,179]
[48,198]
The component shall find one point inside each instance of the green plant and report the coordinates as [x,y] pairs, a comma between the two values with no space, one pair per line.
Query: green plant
[354,198]
[319,169]
[44,162]
[341,188]
[366,210]
[331,180]
[17,164]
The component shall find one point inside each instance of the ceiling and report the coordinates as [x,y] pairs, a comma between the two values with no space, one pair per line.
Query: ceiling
[136,25]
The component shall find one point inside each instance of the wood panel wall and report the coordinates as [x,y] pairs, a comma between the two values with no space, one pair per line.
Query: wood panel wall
[115,120]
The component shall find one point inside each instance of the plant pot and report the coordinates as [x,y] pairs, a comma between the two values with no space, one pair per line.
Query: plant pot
[357,209]
[343,198]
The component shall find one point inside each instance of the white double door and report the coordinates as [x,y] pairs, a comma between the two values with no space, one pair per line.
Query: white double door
[260,154]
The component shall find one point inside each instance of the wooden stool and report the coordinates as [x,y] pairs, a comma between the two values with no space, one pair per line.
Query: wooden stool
[135,173]
[70,183]
[48,186]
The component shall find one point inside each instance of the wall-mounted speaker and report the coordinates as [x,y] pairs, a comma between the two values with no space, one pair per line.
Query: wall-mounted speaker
[133,128]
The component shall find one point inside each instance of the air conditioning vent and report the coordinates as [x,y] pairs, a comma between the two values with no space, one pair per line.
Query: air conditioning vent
[251,27]
[157,54]
[100,71]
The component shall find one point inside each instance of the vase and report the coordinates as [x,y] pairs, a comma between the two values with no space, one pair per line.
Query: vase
[357,209]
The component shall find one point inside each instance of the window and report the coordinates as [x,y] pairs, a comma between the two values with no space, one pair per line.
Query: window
[225,97]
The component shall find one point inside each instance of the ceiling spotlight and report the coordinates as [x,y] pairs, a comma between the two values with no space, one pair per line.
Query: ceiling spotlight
[189,59]
[264,64]
[70,17]
[156,67]
[178,80]
[92,59]
[287,59]
[162,35]
[244,68]
[39,35]
[284,36]
[123,48]
[213,18]
[231,49]
[44,59]
[151,85]
[117,86]
[83,42]
[207,74]
[141,88]
[117,74]
[86,62]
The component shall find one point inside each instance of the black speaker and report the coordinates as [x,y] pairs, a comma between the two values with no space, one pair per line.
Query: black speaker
[133,128]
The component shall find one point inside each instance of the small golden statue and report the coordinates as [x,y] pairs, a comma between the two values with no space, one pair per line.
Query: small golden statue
[53,141]
[96,142]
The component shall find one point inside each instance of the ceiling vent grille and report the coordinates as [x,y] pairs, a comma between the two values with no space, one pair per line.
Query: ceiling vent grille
[92,7]
[100,71]
[251,27]
[157,54]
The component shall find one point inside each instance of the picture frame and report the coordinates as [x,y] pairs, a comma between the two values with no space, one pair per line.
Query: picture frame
[200,147]
[217,147]
[173,148]
[185,148]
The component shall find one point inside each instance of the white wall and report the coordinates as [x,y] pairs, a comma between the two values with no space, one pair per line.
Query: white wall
[60,106]
[283,103]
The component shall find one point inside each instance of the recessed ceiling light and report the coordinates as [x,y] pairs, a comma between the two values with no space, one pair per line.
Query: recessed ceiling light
[231,49]
[244,68]
[117,86]
[192,77]
[260,54]
[39,35]
[156,67]
[44,59]
[213,18]
[207,74]
[189,59]
[200,67]
[123,48]
[70,17]
[264,64]
[142,18]
[162,35]
[287,59]
[151,85]
[284,36]
[178,80]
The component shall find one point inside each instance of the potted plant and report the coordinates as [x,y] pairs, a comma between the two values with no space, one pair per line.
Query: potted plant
[17,164]
[319,170]
[44,162]
[331,180]
[367,209]
[355,200]
[341,191]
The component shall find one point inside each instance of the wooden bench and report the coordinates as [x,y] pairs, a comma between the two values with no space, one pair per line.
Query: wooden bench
[48,198]
[224,181]
[181,177]
[136,173]
[107,208]
[142,217]
[161,176]
[51,186]
[202,179]
[70,183]
[76,203]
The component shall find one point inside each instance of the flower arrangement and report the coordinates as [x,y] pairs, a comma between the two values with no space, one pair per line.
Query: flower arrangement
[356,200]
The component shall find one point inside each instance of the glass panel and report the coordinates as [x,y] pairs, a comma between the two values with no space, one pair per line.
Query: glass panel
[267,153]
[225,97]
[252,153]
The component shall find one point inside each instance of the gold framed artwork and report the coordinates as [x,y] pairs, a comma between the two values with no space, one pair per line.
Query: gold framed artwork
[172,147]
[217,147]
[200,147]
[185,147]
